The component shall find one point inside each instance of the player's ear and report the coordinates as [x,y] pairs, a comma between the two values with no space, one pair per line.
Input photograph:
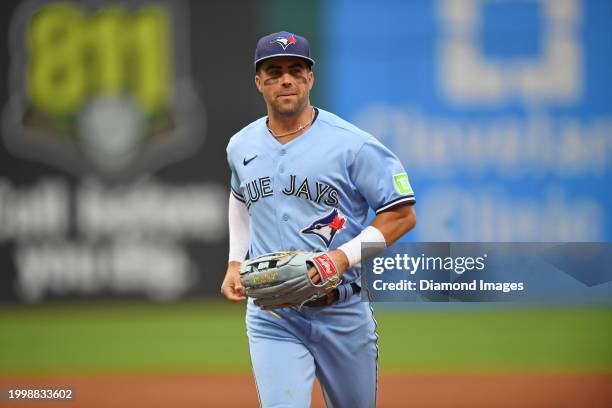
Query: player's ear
[258,83]
[311,79]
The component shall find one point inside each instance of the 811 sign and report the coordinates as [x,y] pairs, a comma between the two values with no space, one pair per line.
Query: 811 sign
[73,54]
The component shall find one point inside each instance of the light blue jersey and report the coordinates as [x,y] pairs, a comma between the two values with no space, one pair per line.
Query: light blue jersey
[314,193]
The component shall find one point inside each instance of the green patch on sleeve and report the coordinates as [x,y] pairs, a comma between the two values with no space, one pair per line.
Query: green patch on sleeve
[402,184]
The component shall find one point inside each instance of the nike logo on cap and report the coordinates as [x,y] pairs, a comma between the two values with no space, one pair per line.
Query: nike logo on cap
[245,161]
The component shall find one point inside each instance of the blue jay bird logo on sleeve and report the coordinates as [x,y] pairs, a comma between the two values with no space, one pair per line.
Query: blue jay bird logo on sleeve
[326,227]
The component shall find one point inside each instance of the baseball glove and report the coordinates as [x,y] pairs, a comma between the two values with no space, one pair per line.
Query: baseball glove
[280,279]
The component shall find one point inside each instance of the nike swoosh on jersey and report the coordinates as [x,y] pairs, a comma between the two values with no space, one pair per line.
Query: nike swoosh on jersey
[245,161]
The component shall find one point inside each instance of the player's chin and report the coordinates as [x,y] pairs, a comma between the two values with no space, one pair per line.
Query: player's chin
[287,107]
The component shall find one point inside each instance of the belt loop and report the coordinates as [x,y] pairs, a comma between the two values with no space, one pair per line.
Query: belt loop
[342,293]
[347,290]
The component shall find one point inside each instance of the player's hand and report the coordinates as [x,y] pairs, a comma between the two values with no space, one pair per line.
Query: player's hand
[340,261]
[232,287]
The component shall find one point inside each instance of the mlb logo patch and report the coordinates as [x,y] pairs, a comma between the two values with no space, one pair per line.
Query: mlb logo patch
[325,266]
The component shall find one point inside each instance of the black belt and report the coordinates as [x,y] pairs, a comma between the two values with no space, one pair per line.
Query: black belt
[332,297]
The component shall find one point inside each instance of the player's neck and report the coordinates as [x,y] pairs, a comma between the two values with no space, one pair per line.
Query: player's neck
[288,127]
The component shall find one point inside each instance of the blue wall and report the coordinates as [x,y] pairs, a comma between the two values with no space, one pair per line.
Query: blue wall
[500,110]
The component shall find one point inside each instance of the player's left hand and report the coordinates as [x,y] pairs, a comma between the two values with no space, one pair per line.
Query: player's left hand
[232,287]
[340,261]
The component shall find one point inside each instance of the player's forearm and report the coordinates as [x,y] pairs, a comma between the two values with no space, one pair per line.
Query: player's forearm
[393,224]
[386,228]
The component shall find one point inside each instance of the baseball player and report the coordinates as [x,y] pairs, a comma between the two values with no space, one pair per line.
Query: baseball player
[304,179]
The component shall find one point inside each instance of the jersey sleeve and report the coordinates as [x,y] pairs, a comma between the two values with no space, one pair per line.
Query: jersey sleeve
[380,177]
[235,181]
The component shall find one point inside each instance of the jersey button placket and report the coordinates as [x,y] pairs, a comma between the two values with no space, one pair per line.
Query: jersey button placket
[281,169]
[278,196]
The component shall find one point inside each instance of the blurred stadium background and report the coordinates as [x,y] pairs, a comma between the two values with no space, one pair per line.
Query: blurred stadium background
[114,183]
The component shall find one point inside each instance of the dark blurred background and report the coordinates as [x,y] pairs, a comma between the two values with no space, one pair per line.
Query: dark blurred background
[113,177]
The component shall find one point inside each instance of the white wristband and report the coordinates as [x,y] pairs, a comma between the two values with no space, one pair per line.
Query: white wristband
[352,249]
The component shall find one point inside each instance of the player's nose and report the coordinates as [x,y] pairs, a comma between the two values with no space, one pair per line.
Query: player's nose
[286,80]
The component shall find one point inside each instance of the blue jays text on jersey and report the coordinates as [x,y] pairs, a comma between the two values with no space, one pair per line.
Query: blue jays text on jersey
[262,187]
[313,192]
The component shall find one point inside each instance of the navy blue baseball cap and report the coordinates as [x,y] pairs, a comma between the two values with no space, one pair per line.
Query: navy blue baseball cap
[282,44]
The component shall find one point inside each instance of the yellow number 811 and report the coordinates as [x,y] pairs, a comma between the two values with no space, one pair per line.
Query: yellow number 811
[73,55]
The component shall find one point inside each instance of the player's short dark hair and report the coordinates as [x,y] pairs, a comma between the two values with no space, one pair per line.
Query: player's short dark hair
[260,63]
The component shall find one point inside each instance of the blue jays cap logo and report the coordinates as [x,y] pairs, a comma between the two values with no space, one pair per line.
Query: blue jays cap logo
[284,40]
[326,227]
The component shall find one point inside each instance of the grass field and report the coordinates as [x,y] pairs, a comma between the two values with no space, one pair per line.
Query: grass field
[209,337]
